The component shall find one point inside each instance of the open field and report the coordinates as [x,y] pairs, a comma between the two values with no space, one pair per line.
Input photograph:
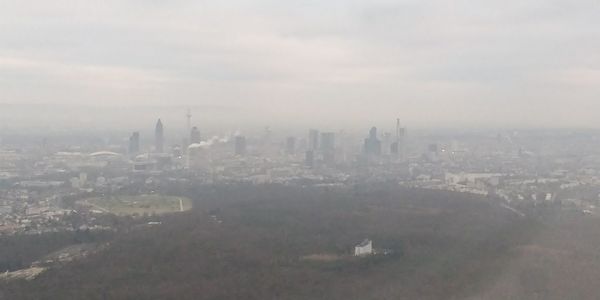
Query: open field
[27,274]
[142,204]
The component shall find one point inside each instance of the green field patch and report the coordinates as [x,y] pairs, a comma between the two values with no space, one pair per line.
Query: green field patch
[139,205]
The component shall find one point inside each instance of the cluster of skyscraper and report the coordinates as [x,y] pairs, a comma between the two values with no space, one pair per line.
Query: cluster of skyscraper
[397,147]
[320,146]
[373,146]
[159,140]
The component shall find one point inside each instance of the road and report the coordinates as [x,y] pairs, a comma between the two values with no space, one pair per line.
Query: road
[513,210]
[97,207]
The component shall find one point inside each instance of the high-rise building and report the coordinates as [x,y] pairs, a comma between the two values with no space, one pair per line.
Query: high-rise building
[432,152]
[240,145]
[394,149]
[386,142]
[134,143]
[397,148]
[309,159]
[328,141]
[372,143]
[290,145]
[195,136]
[313,139]
[159,137]
[328,147]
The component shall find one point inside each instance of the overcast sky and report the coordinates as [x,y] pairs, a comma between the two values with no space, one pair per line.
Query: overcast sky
[478,63]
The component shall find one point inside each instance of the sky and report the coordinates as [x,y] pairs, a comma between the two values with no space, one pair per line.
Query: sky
[530,63]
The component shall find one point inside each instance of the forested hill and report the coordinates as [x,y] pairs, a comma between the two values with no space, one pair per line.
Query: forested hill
[277,242]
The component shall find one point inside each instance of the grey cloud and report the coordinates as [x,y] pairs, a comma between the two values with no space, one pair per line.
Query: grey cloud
[429,62]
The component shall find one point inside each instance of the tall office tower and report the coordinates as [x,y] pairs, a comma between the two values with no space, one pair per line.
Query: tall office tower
[195,136]
[402,142]
[328,147]
[290,145]
[134,143]
[309,159]
[328,141]
[313,139]
[432,153]
[394,149]
[240,145]
[397,148]
[372,143]
[159,137]
[386,142]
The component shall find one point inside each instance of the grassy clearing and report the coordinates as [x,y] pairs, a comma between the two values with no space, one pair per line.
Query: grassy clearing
[142,204]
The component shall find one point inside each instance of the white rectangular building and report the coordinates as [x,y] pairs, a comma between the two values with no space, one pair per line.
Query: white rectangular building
[364,248]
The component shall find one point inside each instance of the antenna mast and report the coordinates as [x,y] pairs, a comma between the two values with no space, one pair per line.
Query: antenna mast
[189,120]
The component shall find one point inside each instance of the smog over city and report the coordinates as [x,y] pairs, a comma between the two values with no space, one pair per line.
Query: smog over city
[299,149]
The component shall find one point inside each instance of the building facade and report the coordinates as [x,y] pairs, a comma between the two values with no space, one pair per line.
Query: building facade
[363,249]
[159,137]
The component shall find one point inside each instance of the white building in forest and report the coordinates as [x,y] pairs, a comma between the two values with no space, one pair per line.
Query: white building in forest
[363,249]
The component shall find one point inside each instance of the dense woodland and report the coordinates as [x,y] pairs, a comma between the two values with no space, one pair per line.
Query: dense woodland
[248,242]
